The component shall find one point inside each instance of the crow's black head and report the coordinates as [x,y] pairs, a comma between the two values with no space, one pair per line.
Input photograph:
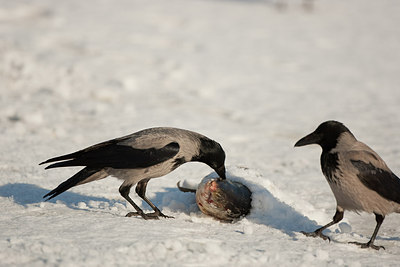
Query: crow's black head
[212,154]
[326,135]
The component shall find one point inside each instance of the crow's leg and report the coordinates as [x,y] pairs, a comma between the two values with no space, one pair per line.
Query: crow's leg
[124,191]
[370,244]
[141,191]
[318,233]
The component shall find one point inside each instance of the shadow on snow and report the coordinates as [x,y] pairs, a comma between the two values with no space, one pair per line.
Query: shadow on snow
[266,209]
[25,194]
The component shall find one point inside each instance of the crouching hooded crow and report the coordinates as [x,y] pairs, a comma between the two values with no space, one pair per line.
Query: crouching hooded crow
[358,177]
[137,158]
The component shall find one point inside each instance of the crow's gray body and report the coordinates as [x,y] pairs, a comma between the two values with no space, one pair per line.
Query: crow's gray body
[360,180]
[361,177]
[139,157]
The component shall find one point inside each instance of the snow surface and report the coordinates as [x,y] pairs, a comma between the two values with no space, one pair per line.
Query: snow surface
[254,75]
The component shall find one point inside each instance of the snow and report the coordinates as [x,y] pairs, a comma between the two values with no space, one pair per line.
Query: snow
[254,75]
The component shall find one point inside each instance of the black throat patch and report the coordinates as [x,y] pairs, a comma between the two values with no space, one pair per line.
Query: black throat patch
[329,165]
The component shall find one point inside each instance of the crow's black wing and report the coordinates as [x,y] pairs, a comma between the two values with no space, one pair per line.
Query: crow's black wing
[383,181]
[115,155]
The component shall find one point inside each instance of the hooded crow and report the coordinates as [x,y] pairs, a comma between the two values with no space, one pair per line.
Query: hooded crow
[358,177]
[138,157]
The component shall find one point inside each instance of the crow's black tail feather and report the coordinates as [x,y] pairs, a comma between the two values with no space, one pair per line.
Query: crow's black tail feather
[66,163]
[74,180]
[63,157]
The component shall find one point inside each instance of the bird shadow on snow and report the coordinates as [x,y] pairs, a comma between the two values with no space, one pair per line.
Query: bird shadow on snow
[266,208]
[24,194]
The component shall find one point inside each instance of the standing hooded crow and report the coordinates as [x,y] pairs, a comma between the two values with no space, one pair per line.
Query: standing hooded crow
[358,177]
[137,158]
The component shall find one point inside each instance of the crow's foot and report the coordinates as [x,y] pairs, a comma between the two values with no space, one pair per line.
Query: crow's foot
[367,245]
[148,216]
[316,233]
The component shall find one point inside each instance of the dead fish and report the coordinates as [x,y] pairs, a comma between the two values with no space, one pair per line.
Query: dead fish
[223,199]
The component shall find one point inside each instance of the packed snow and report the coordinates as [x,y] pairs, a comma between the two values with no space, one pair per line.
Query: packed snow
[255,76]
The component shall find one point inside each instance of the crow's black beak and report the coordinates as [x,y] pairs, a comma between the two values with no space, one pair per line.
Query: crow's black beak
[312,138]
[221,172]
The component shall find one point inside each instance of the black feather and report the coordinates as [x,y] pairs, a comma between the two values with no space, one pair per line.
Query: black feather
[111,154]
[74,180]
[384,182]
[73,155]
[329,165]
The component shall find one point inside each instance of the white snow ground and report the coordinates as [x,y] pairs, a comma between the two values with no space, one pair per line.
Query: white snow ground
[252,76]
